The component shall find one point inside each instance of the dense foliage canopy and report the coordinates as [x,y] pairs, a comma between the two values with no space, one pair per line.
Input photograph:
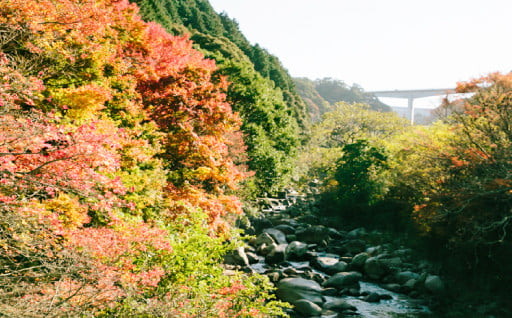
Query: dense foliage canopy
[447,186]
[274,117]
[117,158]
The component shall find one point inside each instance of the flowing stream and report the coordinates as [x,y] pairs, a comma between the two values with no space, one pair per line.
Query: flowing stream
[399,306]
[388,304]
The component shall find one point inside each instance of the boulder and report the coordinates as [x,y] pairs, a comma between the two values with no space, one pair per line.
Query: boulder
[403,277]
[355,246]
[286,229]
[356,233]
[313,234]
[330,291]
[375,268]
[294,289]
[359,260]
[273,276]
[252,257]
[340,266]
[374,250]
[307,308]
[322,263]
[393,262]
[309,219]
[236,257]
[291,237]
[434,284]
[263,238]
[264,249]
[335,234]
[278,236]
[291,271]
[343,279]
[338,304]
[289,222]
[276,254]
[260,223]
[296,251]
[372,298]
[410,284]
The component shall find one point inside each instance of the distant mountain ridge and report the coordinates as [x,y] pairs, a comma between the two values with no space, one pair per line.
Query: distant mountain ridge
[321,94]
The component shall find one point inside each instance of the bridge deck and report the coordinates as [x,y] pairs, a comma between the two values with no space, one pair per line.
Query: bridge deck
[414,93]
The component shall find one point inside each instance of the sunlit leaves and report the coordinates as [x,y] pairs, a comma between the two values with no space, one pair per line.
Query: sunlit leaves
[110,131]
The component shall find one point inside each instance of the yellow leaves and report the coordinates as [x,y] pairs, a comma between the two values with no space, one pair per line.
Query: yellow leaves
[203,173]
[70,211]
[83,102]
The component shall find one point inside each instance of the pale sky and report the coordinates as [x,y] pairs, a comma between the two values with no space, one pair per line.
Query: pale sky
[381,44]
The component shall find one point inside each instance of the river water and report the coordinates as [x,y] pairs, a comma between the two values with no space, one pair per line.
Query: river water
[399,306]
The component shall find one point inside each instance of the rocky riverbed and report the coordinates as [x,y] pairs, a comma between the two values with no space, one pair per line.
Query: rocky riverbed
[327,272]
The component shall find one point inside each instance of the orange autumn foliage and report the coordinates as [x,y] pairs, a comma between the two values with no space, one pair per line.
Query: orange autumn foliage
[92,99]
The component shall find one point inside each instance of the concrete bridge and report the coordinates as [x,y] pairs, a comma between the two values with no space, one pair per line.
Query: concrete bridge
[411,95]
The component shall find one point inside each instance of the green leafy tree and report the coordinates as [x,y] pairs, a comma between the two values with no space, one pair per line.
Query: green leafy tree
[261,90]
[473,208]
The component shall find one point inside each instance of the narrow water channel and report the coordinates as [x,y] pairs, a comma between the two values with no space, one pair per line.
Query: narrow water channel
[398,306]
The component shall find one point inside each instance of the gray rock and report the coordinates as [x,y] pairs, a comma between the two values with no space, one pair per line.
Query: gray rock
[264,249]
[291,237]
[236,257]
[252,257]
[339,304]
[276,255]
[322,263]
[286,229]
[329,314]
[410,284]
[294,289]
[278,236]
[403,277]
[307,308]
[359,260]
[434,284]
[340,266]
[289,222]
[343,279]
[374,250]
[375,268]
[296,251]
[355,246]
[392,287]
[393,262]
[372,298]
[273,276]
[313,234]
[330,291]
[263,238]
[356,233]
[335,234]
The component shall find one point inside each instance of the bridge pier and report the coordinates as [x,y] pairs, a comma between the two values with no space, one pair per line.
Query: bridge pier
[410,109]
[411,95]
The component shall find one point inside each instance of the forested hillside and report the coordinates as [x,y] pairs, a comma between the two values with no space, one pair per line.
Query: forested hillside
[273,115]
[320,95]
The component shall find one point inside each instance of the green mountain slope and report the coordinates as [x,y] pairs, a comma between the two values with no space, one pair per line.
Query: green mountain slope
[274,115]
[321,94]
